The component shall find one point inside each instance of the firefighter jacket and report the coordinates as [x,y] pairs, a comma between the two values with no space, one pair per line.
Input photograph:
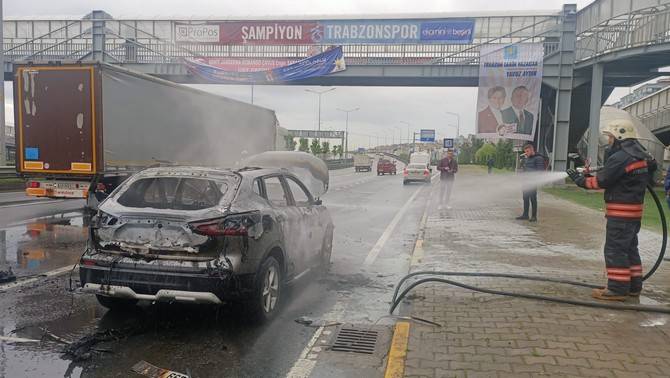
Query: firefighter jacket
[625,175]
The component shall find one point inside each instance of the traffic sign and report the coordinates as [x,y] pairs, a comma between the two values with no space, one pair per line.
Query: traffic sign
[448,143]
[427,135]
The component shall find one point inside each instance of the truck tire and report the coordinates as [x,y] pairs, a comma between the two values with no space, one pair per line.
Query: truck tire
[115,303]
[265,301]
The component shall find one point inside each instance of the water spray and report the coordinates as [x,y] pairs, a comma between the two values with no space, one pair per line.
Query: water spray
[438,276]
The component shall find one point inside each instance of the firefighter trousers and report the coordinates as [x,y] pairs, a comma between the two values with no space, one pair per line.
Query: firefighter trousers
[622,258]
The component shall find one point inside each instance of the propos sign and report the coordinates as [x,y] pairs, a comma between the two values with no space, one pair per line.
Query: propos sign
[197,33]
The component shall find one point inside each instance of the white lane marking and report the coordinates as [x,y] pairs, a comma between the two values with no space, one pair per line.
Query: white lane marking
[48,274]
[309,356]
[31,203]
[376,249]
[303,366]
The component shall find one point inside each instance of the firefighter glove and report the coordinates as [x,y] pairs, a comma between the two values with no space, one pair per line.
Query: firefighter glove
[577,177]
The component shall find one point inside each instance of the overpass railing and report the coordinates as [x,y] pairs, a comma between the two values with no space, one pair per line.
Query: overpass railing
[153,41]
[644,27]
[653,111]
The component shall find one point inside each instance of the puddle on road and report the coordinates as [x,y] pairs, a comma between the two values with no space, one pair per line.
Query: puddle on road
[43,244]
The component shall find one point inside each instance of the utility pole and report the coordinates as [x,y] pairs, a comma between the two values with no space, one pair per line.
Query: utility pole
[3,137]
[319,93]
[458,125]
[346,132]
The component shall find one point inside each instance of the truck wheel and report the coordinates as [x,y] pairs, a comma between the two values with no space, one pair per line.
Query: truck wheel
[267,293]
[115,303]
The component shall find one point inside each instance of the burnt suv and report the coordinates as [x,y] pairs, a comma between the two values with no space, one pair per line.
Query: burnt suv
[202,235]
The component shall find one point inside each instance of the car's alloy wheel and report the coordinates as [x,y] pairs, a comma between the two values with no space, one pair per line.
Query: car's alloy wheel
[267,295]
[270,291]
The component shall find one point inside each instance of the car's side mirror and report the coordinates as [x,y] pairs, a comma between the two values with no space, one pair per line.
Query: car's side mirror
[318,202]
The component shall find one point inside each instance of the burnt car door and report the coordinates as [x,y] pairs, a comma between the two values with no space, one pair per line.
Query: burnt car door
[311,222]
[287,217]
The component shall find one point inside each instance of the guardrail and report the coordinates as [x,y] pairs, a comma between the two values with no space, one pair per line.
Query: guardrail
[8,171]
[339,163]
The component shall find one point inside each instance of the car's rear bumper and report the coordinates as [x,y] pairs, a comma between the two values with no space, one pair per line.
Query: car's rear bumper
[160,296]
[179,283]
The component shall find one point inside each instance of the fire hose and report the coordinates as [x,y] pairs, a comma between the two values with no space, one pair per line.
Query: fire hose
[437,276]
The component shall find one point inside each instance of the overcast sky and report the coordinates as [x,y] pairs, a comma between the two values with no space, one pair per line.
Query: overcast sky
[381,108]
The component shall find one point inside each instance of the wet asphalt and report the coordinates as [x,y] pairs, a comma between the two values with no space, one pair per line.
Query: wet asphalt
[370,213]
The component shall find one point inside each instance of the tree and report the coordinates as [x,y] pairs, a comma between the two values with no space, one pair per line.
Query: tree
[325,147]
[290,142]
[484,153]
[315,147]
[303,145]
[468,149]
[505,156]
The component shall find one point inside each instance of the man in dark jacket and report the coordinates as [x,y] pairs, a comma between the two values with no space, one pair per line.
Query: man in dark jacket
[627,171]
[533,162]
[448,167]
[490,163]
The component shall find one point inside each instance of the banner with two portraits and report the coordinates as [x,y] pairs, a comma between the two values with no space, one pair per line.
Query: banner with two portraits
[510,79]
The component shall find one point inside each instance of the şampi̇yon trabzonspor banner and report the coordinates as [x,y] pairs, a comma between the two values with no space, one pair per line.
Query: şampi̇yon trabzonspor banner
[510,79]
[326,63]
[453,31]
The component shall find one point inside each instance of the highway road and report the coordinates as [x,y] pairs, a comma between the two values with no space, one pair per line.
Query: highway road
[376,220]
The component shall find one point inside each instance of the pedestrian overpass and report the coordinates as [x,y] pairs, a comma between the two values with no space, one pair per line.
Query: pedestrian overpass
[654,112]
[588,52]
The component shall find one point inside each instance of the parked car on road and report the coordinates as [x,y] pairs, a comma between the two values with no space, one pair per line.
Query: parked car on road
[385,166]
[416,172]
[203,235]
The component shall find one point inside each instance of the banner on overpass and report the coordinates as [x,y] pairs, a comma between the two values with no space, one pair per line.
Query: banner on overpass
[316,134]
[395,31]
[326,63]
[510,78]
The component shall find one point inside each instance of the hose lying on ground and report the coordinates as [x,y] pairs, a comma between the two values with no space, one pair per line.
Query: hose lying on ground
[397,298]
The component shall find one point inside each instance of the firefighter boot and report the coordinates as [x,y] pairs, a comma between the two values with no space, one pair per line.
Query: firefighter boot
[607,295]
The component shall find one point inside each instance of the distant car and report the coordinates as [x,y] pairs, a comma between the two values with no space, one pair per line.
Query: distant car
[202,235]
[416,172]
[385,166]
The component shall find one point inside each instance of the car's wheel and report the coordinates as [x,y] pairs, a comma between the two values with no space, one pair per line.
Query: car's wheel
[267,293]
[115,303]
[326,251]
[404,182]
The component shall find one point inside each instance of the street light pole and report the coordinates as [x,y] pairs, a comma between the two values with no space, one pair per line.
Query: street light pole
[3,137]
[319,93]
[458,124]
[346,131]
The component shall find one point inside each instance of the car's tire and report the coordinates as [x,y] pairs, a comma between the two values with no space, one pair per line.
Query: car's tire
[264,304]
[115,303]
[326,251]
[404,182]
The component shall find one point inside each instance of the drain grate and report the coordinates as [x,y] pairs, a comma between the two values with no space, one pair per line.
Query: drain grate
[356,340]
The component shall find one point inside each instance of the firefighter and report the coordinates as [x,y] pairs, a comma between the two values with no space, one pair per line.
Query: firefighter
[627,171]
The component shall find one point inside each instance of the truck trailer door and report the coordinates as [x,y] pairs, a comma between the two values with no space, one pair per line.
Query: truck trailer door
[56,118]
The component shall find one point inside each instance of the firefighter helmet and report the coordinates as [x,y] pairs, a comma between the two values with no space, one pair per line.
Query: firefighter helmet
[620,129]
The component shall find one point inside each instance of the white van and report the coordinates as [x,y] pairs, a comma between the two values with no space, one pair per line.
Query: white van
[422,158]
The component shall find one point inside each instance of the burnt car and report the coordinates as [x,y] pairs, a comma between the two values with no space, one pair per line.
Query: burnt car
[203,235]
